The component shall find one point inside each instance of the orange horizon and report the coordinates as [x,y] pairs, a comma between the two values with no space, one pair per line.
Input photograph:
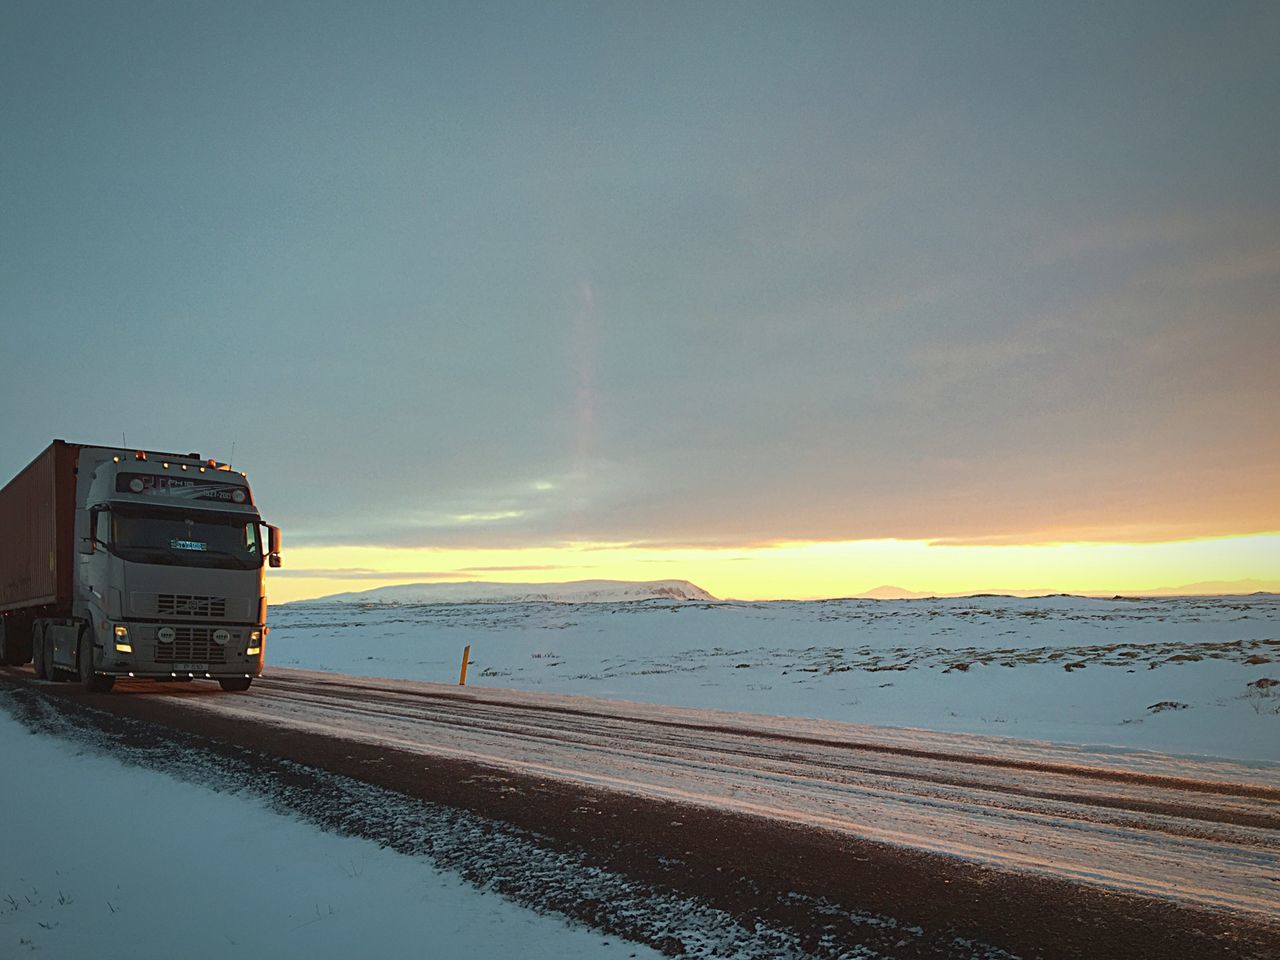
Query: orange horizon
[805,570]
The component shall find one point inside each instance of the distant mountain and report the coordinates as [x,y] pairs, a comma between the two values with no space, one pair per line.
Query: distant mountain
[578,591]
[1207,588]
[1211,588]
[887,592]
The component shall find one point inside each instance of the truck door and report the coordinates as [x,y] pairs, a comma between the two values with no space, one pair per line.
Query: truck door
[95,579]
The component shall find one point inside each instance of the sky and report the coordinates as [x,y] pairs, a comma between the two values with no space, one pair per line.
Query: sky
[797,298]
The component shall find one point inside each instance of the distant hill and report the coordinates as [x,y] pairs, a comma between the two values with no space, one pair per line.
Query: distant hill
[1212,588]
[888,592]
[577,591]
[1207,588]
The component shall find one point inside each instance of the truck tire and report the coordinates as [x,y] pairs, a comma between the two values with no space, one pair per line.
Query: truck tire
[37,651]
[93,682]
[235,684]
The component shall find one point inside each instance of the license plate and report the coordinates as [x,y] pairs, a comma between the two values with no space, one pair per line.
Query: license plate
[191,667]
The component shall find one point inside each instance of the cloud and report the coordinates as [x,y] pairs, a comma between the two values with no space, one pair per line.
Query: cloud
[892,292]
[510,569]
[490,516]
[359,573]
[1120,237]
[366,573]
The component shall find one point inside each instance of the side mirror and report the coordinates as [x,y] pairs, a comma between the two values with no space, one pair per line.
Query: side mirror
[273,546]
[88,546]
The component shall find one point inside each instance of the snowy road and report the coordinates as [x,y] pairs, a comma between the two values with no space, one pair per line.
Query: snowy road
[1199,832]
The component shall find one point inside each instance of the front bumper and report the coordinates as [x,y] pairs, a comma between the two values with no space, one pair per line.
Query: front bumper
[184,650]
[173,675]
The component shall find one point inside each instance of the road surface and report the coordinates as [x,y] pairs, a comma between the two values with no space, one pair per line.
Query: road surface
[1040,849]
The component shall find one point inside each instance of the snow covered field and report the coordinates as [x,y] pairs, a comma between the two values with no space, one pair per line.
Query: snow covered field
[142,865]
[1182,676]
[1178,675]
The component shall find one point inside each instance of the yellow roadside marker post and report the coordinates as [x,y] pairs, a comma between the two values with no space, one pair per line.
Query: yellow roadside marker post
[466,656]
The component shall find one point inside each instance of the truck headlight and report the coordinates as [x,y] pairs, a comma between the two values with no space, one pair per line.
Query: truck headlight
[255,643]
[122,639]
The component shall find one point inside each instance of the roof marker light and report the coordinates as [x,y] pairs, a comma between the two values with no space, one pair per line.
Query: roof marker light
[115,459]
[140,455]
[165,464]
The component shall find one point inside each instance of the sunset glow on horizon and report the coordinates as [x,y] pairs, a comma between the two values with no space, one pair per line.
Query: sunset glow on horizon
[802,571]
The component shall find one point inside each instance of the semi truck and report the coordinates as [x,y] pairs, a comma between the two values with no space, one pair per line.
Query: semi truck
[133,563]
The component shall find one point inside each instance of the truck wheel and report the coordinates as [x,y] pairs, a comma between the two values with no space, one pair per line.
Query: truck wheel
[235,684]
[93,682]
[37,651]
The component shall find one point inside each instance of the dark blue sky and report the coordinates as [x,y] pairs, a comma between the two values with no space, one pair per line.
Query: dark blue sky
[714,273]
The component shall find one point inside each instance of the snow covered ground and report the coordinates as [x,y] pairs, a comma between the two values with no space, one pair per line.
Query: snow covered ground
[107,860]
[1183,676]
[1180,675]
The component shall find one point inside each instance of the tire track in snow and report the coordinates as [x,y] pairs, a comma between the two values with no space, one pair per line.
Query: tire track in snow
[1213,841]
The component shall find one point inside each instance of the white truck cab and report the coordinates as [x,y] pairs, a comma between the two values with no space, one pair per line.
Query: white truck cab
[169,574]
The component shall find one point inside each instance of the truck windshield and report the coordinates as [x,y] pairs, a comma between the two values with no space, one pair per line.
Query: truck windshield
[185,538]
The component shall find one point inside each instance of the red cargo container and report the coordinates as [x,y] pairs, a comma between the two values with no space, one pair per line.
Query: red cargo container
[37,546]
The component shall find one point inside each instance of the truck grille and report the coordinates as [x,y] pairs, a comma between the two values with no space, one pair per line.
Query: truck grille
[189,605]
[191,645]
